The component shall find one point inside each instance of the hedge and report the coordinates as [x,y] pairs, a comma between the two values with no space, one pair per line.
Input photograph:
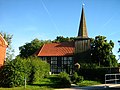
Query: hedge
[96,73]
[13,73]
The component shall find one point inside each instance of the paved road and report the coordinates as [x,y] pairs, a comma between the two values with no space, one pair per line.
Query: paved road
[95,87]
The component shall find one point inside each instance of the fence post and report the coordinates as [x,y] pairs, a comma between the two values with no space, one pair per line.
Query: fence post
[25,82]
[115,79]
[105,80]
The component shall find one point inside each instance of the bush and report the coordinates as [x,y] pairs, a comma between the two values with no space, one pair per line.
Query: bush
[79,79]
[97,74]
[13,73]
[88,65]
[39,70]
[75,78]
[64,80]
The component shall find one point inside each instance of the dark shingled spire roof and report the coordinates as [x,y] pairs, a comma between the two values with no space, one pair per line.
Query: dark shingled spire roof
[82,28]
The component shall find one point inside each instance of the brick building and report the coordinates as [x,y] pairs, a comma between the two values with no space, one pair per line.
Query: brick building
[3,46]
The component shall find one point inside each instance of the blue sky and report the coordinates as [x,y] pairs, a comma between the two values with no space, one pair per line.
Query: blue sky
[46,19]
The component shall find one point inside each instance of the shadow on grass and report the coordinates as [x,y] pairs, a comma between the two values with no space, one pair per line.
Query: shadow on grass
[46,85]
[52,82]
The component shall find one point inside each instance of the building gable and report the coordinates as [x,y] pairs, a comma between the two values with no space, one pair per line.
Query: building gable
[57,49]
[3,46]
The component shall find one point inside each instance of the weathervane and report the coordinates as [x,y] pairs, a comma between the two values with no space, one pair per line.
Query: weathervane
[83,4]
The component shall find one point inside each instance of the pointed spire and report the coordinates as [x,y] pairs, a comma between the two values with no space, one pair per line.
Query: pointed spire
[82,33]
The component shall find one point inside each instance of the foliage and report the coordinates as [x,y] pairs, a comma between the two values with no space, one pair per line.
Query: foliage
[63,39]
[7,37]
[56,81]
[89,65]
[88,83]
[119,49]
[13,73]
[10,51]
[75,78]
[79,79]
[97,74]
[40,69]
[101,51]
[64,79]
[30,48]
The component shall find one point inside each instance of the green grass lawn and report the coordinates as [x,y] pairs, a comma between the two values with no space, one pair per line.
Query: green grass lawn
[49,83]
[88,83]
[45,84]
[28,87]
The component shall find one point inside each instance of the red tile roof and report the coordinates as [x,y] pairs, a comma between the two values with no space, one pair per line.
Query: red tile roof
[57,49]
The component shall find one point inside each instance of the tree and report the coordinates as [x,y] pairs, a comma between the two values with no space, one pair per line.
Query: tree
[119,48]
[10,51]
[30,48]
[101,51]
[63,39]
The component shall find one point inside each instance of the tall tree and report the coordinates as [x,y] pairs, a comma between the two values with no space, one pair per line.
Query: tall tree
[63,39]
[119,48]
[101,51]
[10,51]
[30,48]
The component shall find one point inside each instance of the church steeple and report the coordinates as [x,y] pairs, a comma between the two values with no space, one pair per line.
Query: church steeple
[82,33]
[82,42]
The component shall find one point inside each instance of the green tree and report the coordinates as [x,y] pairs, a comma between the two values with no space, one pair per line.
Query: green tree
[101,51]
[119,48]
[10,50]
[63,39]
[30,48]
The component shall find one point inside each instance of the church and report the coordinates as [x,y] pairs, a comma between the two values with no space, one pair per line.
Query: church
[63,56]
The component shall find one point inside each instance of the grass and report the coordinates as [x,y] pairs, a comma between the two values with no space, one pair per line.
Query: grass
[45,84]
[49,83]
[28,87]
[88,83]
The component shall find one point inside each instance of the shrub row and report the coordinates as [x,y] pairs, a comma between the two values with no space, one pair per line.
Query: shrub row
[97,74]
[14,73]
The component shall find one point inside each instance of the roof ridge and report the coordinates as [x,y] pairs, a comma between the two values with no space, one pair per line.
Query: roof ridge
[41,49]
[5,42]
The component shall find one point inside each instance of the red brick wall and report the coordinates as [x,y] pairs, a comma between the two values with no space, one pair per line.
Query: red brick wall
[3,46]
[2,54]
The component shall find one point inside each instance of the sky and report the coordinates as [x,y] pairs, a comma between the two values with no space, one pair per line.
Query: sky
[47,19]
